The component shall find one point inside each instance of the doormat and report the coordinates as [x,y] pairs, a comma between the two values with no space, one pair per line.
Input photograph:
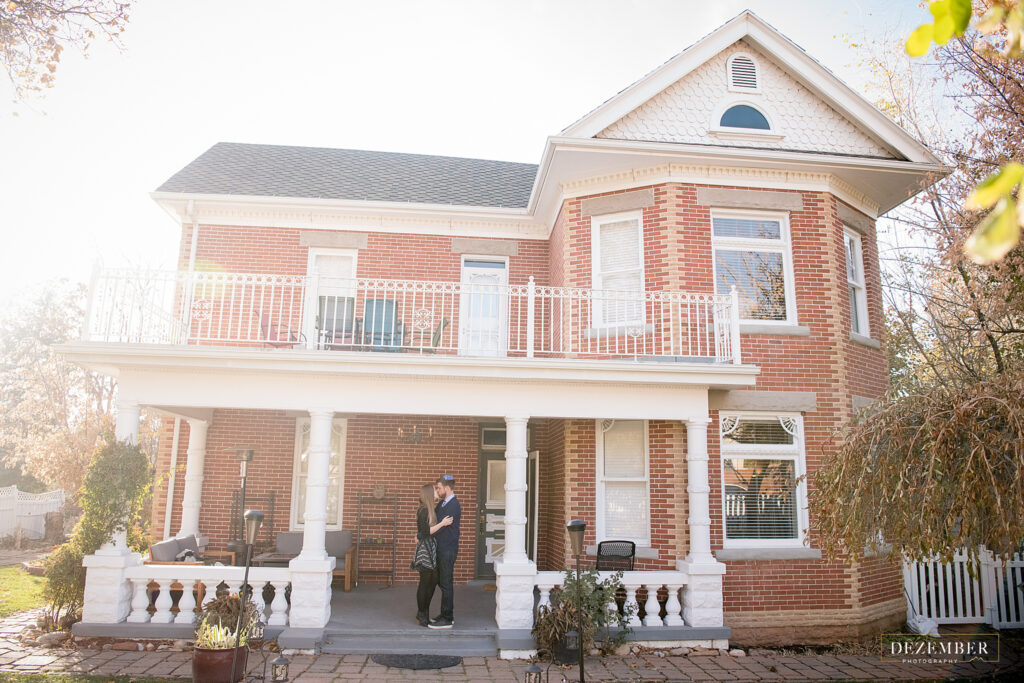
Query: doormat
[416,661]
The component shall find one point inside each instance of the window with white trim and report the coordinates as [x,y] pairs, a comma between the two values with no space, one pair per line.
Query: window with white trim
[336,473]
[623,497]
[618,268]
[752,254]
[763,502]
[855,282]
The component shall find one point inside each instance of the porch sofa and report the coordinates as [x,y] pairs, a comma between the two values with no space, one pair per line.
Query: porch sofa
[168,552]
[339,546]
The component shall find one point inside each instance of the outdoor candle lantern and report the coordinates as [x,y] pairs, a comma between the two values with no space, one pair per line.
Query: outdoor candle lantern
[253,522]
[533,673]
[577,528]
[279,669]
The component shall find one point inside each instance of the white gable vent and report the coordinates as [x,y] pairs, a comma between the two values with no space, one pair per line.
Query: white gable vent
[743,73]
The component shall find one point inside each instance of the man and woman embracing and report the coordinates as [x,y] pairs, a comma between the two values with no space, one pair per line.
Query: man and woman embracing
[437,536]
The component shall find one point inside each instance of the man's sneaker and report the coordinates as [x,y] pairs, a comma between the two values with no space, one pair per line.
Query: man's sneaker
[441,622]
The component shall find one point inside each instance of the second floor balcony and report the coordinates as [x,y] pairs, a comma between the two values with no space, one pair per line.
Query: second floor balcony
[474,319]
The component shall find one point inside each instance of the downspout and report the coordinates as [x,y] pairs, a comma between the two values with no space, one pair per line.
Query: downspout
[175,441]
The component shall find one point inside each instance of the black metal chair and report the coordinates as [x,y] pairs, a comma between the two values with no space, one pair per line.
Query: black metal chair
[615,555]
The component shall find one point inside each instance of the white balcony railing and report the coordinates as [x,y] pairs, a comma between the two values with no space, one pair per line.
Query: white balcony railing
[307,311]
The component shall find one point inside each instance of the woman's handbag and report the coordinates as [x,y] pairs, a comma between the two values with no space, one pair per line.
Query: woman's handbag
[425,557]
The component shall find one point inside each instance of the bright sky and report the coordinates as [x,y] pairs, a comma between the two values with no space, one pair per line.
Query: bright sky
[480,79]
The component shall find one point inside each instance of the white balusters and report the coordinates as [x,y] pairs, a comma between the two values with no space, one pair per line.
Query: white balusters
[545,595]
[651,607]
[164,602]
[673,607]
[279,605]
[209,591]
[187,603]
[634,618]
[257,596]
[140,601]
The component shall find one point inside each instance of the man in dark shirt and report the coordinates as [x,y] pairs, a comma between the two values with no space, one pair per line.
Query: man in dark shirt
[447,550]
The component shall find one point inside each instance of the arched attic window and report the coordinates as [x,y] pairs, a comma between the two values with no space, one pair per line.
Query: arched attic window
[744,116]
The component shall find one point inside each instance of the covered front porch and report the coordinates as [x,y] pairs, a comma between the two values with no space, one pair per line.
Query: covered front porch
[681,592]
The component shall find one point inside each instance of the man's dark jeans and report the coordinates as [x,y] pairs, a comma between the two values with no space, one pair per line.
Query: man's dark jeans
[446,580]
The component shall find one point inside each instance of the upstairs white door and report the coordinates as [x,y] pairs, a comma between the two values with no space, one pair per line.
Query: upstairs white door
[483,308]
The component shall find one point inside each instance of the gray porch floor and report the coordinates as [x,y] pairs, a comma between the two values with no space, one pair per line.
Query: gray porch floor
[383,620]
[370,608]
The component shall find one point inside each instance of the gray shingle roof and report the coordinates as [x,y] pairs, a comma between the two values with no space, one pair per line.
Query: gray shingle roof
[316,172]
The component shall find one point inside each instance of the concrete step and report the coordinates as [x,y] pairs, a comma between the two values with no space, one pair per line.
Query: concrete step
[411,641]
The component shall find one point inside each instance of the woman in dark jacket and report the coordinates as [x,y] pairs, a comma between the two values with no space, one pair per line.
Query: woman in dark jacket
[426,526]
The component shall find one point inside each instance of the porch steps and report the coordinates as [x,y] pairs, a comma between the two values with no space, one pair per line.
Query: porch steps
[417,640]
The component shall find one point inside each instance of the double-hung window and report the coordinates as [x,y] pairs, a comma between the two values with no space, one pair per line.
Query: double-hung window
[336,473]
[618,268]
[752,254]
[855,282]
[764,500]
[623,497]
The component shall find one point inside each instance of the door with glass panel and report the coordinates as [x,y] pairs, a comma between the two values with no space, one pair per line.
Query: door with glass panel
[483,308]
[332,298]
[336,473]
[490,536]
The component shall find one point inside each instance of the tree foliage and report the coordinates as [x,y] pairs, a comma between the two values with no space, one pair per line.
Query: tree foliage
[113,498]
[938,465]
[34,34]
[55,412]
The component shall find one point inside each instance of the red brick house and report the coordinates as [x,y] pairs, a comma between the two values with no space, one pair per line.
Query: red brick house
[655,330]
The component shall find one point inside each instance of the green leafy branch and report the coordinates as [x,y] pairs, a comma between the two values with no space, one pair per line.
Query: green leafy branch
[999,232]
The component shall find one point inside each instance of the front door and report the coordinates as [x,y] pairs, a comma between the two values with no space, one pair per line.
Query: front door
[490,537]
[483,308]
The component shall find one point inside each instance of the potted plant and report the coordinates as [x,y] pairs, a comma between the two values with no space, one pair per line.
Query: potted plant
[603,620]
[217,639]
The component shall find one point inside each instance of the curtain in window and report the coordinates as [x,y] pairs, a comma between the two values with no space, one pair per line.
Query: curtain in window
[620,270]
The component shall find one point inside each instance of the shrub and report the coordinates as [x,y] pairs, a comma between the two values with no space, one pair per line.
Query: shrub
[216,627]
[112,499]
[600,611]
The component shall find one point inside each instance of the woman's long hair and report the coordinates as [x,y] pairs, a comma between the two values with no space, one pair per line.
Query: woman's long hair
[427,501]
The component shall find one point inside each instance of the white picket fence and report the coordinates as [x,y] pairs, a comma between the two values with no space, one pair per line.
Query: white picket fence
[992,592]
[27,510]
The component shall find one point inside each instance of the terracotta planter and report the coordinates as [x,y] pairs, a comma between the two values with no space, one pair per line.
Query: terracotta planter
[214,666]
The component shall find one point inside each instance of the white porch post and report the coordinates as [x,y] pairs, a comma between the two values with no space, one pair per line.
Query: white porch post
[191,497]
[108,594]
[702,599]
[515,573]
[311,570]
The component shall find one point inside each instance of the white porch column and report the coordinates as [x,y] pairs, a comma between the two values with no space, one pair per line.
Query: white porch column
[108,594]
[311,570]
[702,597]
[515,573]
[515,490]
[191,497]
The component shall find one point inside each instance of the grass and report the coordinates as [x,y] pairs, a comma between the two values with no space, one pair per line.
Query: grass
[19,591]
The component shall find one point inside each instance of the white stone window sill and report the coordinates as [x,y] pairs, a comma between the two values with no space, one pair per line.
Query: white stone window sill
[643,552]
[745,134]
[866,341]
[764,328]
[740,554]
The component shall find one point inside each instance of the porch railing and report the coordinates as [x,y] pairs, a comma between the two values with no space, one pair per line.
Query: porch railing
[175,593]
[426,317]
[645,584]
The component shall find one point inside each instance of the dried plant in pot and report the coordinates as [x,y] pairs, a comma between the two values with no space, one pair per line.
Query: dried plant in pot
[604,623]
[221,639]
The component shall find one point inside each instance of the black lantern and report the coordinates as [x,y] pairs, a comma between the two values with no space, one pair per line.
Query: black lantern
[577,528]
[532,673]
[253,522]
[279,670]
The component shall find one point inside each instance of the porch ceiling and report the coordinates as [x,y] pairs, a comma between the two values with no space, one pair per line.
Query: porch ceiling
[356,382]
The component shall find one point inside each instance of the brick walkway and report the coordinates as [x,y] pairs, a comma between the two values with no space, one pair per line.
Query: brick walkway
[172,664]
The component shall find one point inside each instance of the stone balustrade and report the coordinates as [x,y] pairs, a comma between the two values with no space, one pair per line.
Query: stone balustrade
[635,582]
